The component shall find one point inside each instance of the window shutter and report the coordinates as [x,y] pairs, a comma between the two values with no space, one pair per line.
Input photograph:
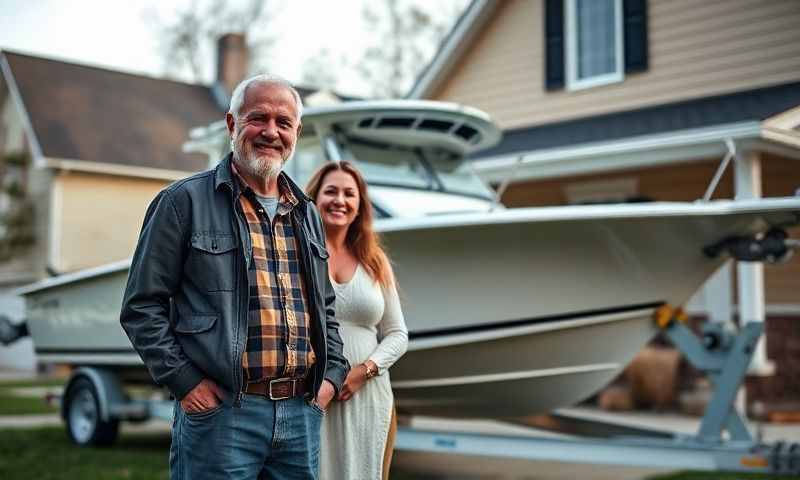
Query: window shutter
[635,25]
[554,44]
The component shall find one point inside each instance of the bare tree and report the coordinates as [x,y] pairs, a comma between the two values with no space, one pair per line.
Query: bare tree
[406,34]
[188,42]
[320,70]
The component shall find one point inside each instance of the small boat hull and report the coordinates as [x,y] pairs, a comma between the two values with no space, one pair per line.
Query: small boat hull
[510,313]
[515,371]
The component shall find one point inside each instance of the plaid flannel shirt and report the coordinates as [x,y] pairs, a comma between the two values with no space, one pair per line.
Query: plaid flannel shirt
[279,322]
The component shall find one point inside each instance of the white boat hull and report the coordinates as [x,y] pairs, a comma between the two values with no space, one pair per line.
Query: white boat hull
[523,370]
[510,313]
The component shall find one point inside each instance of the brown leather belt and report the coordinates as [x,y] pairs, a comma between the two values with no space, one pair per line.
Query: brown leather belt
[279,388]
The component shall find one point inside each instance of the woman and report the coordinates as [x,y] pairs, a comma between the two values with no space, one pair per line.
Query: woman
[358,431]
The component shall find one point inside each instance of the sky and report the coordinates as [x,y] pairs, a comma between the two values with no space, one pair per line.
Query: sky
[121,34]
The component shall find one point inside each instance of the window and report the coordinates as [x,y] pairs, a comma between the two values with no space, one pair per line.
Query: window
[594,43]
[573,39]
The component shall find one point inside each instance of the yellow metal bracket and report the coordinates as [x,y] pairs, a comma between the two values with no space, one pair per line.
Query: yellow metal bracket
[666,314]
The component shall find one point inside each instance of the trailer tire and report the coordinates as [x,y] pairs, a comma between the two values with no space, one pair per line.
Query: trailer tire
[82,416]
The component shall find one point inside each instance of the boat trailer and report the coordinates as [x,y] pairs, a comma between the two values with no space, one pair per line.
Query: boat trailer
[722,442]
[95,401]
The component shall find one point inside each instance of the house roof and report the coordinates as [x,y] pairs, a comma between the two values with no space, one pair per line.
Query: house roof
[91,114]
[751,105]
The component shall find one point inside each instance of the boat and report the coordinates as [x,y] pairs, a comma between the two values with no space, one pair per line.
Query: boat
[511,312]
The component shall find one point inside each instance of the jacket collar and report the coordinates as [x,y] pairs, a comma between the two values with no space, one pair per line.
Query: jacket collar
[224,176]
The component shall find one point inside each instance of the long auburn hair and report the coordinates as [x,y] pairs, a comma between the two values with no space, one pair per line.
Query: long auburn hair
[361,239]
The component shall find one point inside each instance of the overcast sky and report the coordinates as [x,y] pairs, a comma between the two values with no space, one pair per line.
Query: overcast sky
[119,34]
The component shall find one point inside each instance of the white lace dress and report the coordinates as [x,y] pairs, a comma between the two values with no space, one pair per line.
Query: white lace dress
[353,437]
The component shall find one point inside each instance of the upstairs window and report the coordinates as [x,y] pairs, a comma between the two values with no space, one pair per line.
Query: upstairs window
[593,42]
[594,53]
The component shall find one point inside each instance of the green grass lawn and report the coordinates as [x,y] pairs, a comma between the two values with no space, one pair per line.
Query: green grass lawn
[46,453]
[721,476]
[36,382]
[12,404]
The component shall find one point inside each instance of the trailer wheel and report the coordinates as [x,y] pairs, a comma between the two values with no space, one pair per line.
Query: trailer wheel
[82,415]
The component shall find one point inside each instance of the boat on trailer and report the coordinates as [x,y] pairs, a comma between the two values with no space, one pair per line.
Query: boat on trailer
[511,312]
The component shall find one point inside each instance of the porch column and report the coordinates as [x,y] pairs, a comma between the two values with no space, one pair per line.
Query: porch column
[750,275]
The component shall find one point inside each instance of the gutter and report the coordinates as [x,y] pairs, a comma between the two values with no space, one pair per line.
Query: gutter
[66,164]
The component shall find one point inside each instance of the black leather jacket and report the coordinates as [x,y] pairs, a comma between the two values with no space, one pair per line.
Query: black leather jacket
[186,303]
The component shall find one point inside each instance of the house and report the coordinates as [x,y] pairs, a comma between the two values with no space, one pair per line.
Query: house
[637,100]
[83,151]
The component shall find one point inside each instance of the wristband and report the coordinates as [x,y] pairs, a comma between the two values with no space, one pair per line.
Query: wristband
[371,372]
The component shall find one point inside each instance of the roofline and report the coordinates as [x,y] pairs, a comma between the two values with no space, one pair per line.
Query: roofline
[456,42]
[103,68]
[223,98]
[788,120]
[785,137]
[643,151]
[103,168]
[33,141]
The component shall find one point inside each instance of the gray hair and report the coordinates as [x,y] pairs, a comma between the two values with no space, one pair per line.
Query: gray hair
[237,97]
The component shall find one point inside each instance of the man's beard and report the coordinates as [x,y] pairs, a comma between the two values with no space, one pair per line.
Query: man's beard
[248,159]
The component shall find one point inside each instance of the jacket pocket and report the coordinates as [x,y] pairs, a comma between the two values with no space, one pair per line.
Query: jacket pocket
[211,261]
[196,323]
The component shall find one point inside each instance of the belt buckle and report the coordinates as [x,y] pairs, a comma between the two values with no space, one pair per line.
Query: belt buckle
[281,380]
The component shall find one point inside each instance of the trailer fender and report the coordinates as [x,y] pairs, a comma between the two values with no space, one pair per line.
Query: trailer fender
[110,394]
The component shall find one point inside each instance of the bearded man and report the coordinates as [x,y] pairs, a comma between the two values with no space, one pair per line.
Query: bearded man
[229,303]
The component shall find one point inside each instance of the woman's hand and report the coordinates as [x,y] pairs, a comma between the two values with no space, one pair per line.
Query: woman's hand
[356,379]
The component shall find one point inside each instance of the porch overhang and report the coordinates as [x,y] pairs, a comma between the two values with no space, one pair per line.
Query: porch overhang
[683,146]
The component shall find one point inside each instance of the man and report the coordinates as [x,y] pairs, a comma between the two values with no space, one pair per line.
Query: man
[230,306]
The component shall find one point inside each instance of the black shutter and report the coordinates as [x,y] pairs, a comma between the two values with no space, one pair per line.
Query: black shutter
[634,14]
[554,44]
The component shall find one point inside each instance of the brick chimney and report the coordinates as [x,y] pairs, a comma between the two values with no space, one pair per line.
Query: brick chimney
[232,61]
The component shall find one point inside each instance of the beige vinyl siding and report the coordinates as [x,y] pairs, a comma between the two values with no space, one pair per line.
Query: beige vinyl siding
[697,49]
[100,217]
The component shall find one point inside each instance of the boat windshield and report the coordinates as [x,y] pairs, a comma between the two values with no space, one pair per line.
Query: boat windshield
[308,157]
[433,169]
[428,169]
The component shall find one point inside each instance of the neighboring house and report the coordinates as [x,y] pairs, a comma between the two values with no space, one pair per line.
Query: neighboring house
[83,150]
[634,100]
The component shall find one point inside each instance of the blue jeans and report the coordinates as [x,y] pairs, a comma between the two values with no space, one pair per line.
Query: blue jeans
[264,439]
